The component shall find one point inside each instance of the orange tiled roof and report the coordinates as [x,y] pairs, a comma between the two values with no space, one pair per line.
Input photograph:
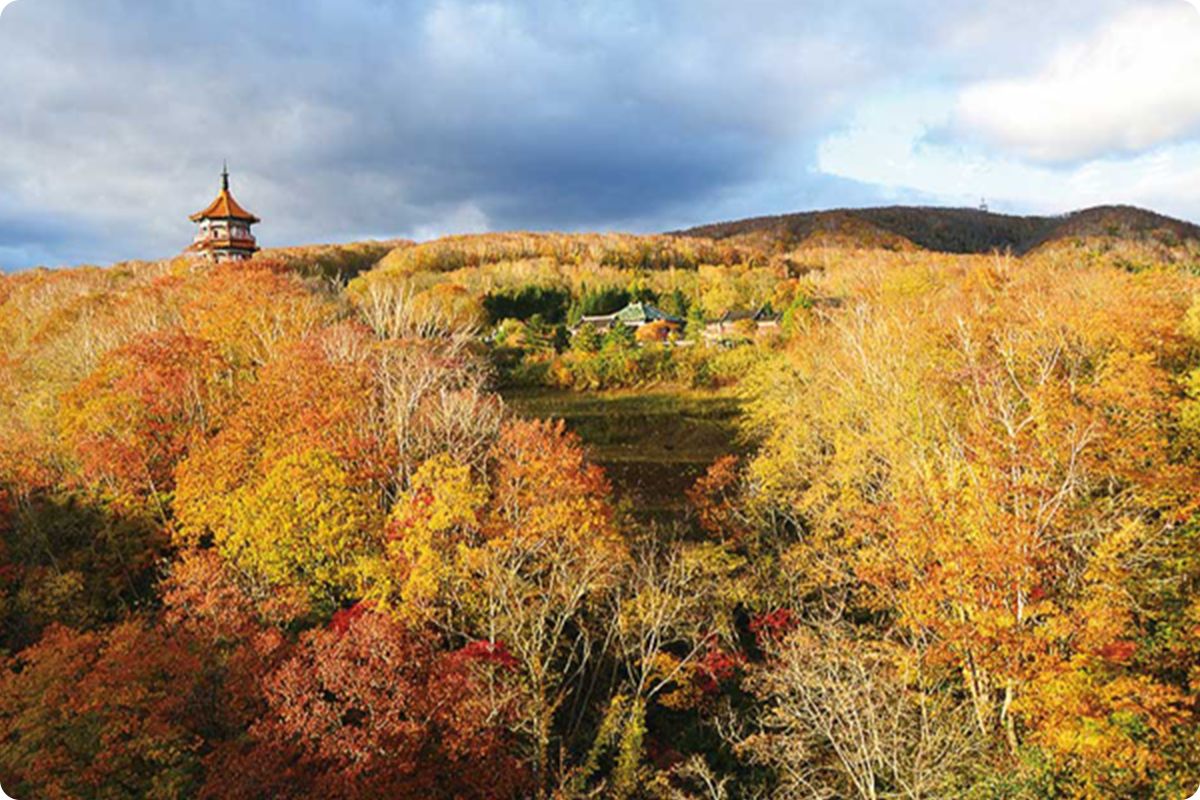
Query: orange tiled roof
[225,207]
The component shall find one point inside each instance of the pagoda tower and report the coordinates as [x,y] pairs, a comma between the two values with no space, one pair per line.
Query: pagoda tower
[224,233]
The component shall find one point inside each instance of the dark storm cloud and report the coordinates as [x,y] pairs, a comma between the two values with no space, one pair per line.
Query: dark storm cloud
[30,238]
[348,118]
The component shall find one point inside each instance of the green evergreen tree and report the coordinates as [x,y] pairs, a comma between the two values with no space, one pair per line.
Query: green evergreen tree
[561,339]
[605,300]
[675,303]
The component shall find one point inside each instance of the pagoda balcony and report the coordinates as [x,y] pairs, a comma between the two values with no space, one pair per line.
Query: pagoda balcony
[203,238]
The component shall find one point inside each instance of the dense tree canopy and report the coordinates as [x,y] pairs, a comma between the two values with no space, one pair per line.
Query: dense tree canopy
[263,535]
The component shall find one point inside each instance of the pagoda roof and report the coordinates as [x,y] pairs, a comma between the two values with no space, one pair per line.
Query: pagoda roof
[225,207]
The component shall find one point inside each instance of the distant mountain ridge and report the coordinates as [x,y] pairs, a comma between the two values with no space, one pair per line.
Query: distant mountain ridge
[949,230]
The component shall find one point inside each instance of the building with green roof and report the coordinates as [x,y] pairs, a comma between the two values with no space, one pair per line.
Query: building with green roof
[634,315]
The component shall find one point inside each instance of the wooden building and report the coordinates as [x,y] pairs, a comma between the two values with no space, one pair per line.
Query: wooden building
[224,228]
[634,315]
[735,323]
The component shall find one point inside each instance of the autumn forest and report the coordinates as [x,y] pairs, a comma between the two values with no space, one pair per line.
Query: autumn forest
[320,524]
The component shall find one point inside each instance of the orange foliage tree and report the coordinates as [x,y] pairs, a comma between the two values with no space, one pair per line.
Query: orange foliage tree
[143,409]
[117,714]
[249,310]
[311,397]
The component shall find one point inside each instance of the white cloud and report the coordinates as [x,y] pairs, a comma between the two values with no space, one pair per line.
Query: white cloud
[1131,86]
[386,117]
[888,143]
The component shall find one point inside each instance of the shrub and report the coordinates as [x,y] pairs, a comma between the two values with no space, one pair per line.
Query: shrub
[586,340]
[620,337]
[658,331]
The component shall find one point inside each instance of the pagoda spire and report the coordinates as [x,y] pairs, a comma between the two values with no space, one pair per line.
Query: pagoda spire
[225,177]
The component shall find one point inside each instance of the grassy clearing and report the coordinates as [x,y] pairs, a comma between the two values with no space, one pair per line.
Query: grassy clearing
[653,443]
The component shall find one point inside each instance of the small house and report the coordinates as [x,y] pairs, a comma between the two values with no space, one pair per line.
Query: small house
[634,315]
[731,323]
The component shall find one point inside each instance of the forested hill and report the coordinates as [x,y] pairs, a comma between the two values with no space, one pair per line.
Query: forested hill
[951,230]
[928,526]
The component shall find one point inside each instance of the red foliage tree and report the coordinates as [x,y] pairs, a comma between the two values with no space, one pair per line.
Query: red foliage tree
[242,634]
[374,709]
[715,500]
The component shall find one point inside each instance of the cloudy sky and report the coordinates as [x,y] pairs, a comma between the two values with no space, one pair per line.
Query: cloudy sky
[349,119]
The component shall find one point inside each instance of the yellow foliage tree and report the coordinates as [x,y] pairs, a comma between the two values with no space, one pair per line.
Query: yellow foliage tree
[988,462]
[428,526]
[303,526]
